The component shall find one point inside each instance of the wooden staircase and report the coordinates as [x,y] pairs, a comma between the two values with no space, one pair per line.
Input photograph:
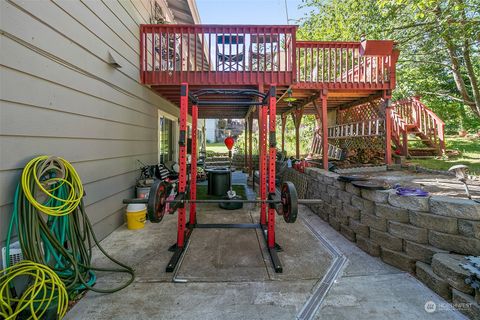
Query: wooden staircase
[416,130]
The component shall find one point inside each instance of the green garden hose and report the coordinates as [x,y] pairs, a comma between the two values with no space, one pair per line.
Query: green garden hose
[53,227]
[45,291]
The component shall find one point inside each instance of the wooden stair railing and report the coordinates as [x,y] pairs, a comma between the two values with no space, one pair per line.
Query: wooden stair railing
[411,117]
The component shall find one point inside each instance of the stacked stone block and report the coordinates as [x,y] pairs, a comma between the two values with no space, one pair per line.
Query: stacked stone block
[415,234]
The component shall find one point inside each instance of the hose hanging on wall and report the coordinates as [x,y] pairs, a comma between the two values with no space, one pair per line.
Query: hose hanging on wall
[53,227]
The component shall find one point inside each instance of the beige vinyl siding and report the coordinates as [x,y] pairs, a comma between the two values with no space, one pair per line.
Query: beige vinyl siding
[60,96]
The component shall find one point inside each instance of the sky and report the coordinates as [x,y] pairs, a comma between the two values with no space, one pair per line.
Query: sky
[269,12]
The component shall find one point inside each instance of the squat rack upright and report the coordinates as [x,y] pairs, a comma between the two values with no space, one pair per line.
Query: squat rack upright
[267,124]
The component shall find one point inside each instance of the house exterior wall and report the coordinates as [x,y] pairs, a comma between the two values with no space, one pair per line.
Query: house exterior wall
[60,96]
[210,129]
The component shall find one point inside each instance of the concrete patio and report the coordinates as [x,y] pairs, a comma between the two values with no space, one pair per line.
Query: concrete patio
[227,274]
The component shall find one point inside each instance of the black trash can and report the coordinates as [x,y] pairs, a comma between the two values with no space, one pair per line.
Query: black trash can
[218,181]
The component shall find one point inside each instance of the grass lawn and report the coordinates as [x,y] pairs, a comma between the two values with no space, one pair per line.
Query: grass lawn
[218,147]
[469,149]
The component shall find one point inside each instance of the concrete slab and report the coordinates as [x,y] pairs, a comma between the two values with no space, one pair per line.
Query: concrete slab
[366,289]
[227,271]
[303,256]
[223,255]
[146,250]
[235,255]
[224,300]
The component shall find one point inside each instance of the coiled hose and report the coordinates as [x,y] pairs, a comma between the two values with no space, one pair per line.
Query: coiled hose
[53,227]
[45,291]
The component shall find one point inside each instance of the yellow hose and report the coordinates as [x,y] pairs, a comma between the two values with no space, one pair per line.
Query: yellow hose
[32,183]
[45,290]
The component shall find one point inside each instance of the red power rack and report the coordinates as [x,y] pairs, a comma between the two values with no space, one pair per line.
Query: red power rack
[266,103]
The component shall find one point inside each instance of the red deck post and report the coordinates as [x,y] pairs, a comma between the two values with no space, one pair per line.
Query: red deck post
[388,131]
[182,177]
[271,165]
[404,136]
[284,123]
[324,130]
[251,167]
[297,120]
[193,174]
[245,158]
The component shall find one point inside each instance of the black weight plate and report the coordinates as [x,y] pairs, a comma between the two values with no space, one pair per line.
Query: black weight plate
[289,198]
[372,184]
[231,205]
[351,178]
[157,197]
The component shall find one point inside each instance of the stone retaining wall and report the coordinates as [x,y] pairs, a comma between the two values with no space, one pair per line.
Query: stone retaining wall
[426,236]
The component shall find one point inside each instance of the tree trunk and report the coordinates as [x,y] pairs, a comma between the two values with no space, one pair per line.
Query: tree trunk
[472,77]
[457,76]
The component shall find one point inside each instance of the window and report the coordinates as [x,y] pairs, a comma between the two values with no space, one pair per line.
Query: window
[166,139]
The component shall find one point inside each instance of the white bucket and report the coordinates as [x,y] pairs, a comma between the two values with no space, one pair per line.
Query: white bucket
[143,192]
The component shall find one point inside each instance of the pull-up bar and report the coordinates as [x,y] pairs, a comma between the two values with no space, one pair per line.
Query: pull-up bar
[228,103]
[194,97]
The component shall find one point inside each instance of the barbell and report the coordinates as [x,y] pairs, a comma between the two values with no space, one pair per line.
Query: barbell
[160,191]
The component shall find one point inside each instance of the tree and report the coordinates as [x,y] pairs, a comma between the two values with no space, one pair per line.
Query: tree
[439,42]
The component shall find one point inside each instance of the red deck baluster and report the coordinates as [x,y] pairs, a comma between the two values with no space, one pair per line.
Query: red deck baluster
[153,54]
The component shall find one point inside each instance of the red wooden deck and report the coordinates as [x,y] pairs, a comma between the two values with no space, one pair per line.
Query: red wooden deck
[241,56]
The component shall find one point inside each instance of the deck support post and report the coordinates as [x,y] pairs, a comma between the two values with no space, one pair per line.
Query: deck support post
[324,95]
[284,123]
[245,142]
[388,127]
[251,168]
[318,127]
[297,120]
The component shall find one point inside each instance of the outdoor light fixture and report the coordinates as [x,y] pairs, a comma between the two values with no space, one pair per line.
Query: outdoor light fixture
[461,171]
[289,97]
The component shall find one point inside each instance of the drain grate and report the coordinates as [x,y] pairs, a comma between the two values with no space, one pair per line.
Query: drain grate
[312,305]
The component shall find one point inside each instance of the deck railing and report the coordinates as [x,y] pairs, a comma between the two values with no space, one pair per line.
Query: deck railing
[366,128]
[242,54]
[412,116]
[340,64]
[217,54]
